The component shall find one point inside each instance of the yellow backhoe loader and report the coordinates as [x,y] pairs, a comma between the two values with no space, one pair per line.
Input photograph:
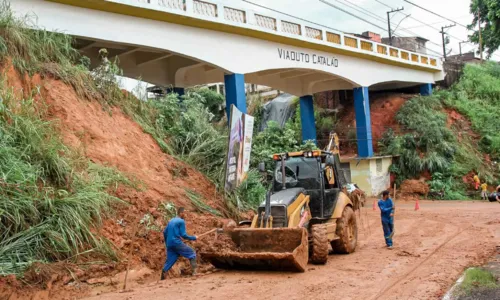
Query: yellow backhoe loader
[306,211]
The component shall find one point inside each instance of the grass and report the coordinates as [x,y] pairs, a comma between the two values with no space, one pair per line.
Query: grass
[50,197]
[198,202]
[477,278]
[477,96]
[449,153]
[35,51]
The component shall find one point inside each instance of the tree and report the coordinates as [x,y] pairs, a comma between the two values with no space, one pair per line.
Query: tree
[488,12]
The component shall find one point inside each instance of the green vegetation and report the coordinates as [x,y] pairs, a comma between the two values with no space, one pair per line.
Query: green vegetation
[276,140]
[190,132]
[477,96]
[50,196]
[448,151]
[477,278]
[48,54]
[489,12]
[198,202]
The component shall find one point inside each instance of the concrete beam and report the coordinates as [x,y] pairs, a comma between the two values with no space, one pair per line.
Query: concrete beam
[295,73]
[156,58]
[125,52]
[88,46]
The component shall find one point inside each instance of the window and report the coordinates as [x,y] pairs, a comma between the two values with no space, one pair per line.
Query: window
[379,165]
[346,168]
[299,172]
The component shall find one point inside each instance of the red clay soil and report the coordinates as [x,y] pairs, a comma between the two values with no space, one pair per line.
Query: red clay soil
[111,138]
[383,110]
[415,187]
[115,140]
[462,125]
[432,247]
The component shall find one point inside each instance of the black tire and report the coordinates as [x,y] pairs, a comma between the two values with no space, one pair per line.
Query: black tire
[347,230]
[319,244]
[492,197]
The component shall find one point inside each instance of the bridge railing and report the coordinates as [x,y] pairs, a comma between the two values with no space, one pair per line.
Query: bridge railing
[226,12]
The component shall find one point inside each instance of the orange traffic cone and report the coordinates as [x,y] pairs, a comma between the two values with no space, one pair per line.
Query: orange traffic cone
[374,206]
[417,206]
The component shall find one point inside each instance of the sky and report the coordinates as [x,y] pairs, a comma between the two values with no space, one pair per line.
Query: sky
[375,11]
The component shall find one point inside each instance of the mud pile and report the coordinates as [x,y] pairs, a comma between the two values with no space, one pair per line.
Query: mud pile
[414,187]
[222,243]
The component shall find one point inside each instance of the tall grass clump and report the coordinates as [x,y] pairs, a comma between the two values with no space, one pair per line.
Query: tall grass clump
[477,96]
[191,133]
[34,50]
[50,197]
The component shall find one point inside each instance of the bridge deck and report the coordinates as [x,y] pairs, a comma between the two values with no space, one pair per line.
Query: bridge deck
[225,16]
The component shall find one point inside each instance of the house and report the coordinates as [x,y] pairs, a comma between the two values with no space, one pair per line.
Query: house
[371,174]
[410,43]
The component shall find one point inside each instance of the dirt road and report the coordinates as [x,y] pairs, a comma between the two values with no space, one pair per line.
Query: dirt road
[432,248]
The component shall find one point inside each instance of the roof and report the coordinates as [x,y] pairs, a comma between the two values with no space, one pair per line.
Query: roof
[354,158]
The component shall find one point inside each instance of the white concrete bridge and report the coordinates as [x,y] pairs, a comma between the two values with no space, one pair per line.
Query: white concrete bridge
[182,43]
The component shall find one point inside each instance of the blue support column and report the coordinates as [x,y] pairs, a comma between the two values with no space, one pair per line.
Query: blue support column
[426,89]
[363,122]
[235,93]
[307,118]
[179,91]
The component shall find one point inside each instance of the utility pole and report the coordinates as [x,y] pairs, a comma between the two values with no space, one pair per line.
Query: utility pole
[389,22]
[460,46]
[444,40]
[480,36]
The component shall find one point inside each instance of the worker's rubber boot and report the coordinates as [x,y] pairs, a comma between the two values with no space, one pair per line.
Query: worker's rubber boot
[163,275]
[193,266]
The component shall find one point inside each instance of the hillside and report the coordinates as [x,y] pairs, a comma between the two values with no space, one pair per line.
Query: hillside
[110,138]
[449,136]
[84,189]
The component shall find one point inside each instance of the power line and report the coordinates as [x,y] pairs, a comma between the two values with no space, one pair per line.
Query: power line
[318,24]
[429,11]
[383,21]
[366,12]
[351,14]
[423,23]
[444,40]
[384,4]
[394,10]
[415,19]
[429,25]
[376,17]
[289,15]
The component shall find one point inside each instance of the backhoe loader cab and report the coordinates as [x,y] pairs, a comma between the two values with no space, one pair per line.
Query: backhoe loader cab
[316,173]
[306,211]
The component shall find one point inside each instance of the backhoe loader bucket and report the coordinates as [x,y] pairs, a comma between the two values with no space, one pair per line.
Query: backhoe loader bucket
[279,249]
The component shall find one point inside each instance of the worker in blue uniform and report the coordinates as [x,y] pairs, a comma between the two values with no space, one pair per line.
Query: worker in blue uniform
[387,213]
[173,235]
